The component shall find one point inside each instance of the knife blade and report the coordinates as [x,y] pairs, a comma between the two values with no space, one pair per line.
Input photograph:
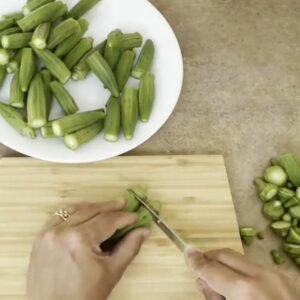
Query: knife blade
[168,230]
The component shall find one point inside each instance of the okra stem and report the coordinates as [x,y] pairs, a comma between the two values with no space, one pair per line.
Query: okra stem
[47,131]
[125,41]
[5,56]
[40,36]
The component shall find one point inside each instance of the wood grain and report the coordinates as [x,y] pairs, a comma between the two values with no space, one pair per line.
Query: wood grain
[194,191]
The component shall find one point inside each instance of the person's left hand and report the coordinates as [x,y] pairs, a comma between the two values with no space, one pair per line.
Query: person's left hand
[67,262]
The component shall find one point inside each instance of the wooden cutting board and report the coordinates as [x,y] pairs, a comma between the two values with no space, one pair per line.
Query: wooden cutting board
[193,189]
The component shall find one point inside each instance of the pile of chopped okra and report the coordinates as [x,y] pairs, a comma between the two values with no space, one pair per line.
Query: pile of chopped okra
[44,47]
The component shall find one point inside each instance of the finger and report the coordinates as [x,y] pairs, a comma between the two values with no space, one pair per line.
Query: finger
[207,291]
[87,211]
[219,277]
[103,226]
[234,260]
[56,220]
[128,249]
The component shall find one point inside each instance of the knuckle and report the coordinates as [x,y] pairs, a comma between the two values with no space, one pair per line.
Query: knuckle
[73,237]
[51,236]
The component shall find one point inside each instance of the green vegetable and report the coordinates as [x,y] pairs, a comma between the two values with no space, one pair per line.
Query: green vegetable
[295,223]
[64,98]
[112,54]
[267,191]
[46,13]
[113,120]
[9,31]
[17,97]
[82,69]
[81,8]
[102,70]
[281,227]
[37,103]
[68,44]
[27,68]
[40,36]
[8,23]
[16,120]
[295,211]
[145,60]
[260,236]
[285,194]
[275,175]
[292,249]
[277,257]
[125,41]
[292,167]
[292,202]
[273,210]
[132,204]
[16,41]
[5,56]
[248,235]
[73,123]
[147,96]
[56,67]
[124,68]
[14,16]
[47,131]
[62,31]
[78,52]
[129,108]
[77,139]
[2,75]
[297,261]
[33,5]
[14,65]
[293,237]
[47,78]
[287,217]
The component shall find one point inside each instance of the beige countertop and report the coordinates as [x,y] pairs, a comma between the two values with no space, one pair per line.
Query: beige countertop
[240,95]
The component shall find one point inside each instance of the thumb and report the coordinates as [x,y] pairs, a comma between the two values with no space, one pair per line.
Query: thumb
[207,291]
[128,248]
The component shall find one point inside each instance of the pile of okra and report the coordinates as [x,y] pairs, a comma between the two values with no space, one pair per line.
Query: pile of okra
[279,191]
[44,47]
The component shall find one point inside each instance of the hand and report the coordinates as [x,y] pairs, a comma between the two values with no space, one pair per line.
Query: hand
[226,274]
[67,262]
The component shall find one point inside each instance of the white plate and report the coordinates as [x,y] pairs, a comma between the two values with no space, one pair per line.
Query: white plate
[130,16]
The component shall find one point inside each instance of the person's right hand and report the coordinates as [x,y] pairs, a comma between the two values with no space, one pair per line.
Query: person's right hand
[226,274]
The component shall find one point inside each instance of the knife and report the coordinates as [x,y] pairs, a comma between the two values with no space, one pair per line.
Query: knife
[169,232]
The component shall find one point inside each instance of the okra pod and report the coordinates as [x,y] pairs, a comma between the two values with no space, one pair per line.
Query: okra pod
[273,210]
[248,234]
[132,204]
[260,236]
[2,75]
[82,69]
[4,24]
[281,228]
[47,78]
[294,211]
[293,237]
[129,107]
[37,103]
[79,138]
[102,70]
[112,54]
[113,120]
[277,257]
[73,123]
[55,65]
[47,131]
[292,249]
[275,175]
[292,202]
[124,68]
[78,52]
[13,16]
[33,5]
[68,44]
[16,41]
[16,120]
[40,36]
[82,7]
[46,13]
[146,96]
[287,217]
[64,98]
[145,60]
[125,41]
[285,194]
[5,56]
[61,32]
[17,97]
[9,31]
[14,65]
[27,68]
[291,165]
